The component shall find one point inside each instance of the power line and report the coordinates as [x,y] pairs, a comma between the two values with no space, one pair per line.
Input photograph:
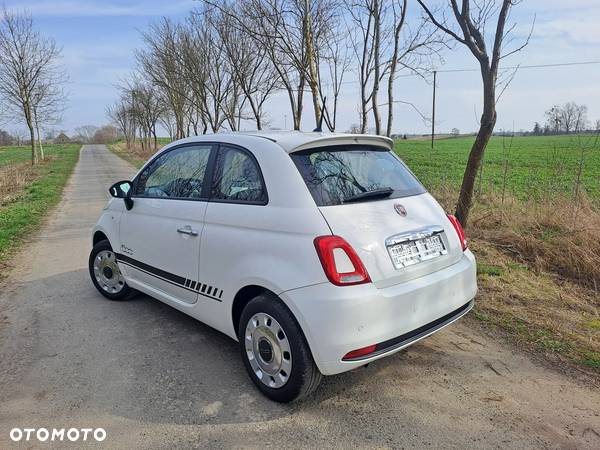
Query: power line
[532,66]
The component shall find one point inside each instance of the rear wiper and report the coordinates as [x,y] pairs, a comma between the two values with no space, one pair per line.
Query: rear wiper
[375,193]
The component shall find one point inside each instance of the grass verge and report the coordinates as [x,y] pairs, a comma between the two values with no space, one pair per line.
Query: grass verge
[538,271]
[39,189]
[135,155]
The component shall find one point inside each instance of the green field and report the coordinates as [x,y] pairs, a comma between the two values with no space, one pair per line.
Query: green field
[14,155]
[533,166]
[25,211]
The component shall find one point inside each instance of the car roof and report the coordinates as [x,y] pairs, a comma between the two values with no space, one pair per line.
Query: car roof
[293,141]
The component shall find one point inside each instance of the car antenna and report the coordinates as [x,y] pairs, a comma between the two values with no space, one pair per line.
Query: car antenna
[319,128]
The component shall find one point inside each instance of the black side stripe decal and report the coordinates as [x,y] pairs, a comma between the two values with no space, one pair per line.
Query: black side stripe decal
[184,283]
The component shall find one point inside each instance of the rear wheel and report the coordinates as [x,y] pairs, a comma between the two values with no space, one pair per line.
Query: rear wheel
[105,272]
[275,352]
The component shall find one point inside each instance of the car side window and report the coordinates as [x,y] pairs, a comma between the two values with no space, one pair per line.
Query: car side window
[238,178]
[178,173]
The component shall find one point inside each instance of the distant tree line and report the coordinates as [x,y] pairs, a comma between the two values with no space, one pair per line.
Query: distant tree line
[566,119]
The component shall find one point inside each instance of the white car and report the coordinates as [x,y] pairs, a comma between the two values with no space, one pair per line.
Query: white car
[319,253]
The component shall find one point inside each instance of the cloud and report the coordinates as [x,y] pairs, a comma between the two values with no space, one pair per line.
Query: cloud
[90,8]
[581,30]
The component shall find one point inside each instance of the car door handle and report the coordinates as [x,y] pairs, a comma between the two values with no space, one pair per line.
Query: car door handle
[187,230]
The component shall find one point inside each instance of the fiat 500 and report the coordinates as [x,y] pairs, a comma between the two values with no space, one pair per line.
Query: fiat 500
[318,253]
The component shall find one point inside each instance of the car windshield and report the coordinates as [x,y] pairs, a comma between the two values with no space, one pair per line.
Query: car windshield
[352,174]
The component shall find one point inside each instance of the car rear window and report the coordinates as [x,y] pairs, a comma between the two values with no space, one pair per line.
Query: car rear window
[343,174]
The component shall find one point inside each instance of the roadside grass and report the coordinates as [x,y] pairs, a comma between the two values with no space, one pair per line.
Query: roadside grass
[28,192]
[135,155]
[16,154]
[538,309]
[538,255]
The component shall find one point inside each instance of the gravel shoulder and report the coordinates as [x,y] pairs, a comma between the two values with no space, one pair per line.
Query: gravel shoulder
[153,377]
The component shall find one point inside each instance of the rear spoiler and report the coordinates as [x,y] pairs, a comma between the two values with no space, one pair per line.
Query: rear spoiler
[360,139]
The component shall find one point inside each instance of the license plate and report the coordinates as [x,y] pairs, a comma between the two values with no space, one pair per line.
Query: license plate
[413,252]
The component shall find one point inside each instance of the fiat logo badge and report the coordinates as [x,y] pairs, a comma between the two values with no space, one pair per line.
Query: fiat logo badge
[400,209]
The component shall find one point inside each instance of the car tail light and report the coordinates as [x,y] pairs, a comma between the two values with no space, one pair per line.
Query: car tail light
[459,230]
[354,273]
[360,352]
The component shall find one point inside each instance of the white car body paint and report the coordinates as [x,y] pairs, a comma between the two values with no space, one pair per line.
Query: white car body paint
[272,246]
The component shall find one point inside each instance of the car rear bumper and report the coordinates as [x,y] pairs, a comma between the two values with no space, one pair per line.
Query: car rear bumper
[337,320]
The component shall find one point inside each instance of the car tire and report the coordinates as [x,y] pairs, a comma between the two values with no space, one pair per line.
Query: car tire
[278,327]
[105,273]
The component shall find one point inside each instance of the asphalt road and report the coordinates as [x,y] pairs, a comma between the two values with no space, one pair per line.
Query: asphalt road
[154,378]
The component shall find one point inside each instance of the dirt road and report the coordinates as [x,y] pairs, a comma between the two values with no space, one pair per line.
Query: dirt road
[153,377]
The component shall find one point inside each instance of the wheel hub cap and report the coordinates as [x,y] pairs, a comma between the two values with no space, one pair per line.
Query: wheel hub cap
[265,350]
[268,350]
[107,273]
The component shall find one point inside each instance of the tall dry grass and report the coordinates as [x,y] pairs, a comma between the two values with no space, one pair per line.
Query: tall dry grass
[13,179]
[561,235]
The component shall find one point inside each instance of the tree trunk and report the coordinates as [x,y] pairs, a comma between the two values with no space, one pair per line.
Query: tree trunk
[363,116]
[393,67]
[29,121]
[313,77]
[32,137]
[376,50]
[297,113]
[390,115]
[39,138]
[488,121]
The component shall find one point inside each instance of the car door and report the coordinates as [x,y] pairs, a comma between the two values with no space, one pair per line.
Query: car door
[160,235]
[234,227]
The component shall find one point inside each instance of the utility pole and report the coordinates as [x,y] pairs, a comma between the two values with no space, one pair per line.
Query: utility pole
[433,110]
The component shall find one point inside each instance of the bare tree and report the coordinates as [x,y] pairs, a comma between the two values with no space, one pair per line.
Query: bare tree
[145,109]
[469,29]
[334,59]
[291,32]
[568,115]
[579,116]
[554,119]
[120,113]
[160,62]
[212,90]
[48,102]
[106,134]
[568,118]
[28,72]
[6,138]
[248,63]
[384,43]
[415,48]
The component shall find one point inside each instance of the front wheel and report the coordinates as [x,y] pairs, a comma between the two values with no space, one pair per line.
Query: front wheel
[105,272]
[275,352]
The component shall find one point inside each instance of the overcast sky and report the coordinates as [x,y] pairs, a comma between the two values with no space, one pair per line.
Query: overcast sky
[99,38]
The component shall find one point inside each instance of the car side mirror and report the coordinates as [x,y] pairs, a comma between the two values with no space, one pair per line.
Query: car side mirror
[122,189]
